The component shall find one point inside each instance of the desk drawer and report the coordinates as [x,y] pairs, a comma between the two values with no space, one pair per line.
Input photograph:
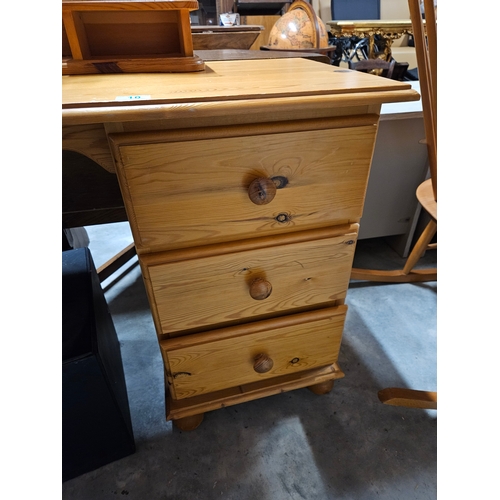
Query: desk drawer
[189,192]
[227,288]
[230,357]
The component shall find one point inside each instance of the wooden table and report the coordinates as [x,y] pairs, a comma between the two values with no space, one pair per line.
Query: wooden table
[238,54]
[225,37]
[389,30]
[245,181]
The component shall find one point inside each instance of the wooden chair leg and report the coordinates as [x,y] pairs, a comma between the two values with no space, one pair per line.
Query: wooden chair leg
[420,246]
[117,261]
[409,398]
[407,274]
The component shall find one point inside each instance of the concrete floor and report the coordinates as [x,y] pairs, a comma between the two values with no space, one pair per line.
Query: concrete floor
[296,445]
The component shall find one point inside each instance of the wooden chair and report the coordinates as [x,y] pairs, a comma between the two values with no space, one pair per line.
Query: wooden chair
[426,50]
[380,67]
[425,34]
[377,66]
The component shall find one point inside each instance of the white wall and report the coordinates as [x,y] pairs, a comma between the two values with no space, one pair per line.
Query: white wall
[323,9]
[394,9]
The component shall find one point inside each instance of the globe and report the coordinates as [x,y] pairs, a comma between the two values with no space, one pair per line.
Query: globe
[300,28]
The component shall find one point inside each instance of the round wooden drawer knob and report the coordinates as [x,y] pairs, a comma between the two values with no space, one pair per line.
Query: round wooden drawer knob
[262,191]
[262,363]
[260,289]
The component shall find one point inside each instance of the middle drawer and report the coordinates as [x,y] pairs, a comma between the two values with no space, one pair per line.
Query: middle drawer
[287,273]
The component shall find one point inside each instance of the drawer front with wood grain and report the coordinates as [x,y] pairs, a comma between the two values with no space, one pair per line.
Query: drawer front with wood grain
[251,284]
[208,362]
[195,191]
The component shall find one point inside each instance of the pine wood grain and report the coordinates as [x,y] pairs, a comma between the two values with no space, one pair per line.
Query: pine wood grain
[205,193]
[226,362]
[91,141]
[186,153]
[263,388]
[193,294]
[228,80]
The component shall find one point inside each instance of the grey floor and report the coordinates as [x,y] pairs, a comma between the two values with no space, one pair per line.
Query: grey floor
[297,445]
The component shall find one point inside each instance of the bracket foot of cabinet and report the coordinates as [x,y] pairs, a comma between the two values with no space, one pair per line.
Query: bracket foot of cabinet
[189,423]
[319,378]
[323,388]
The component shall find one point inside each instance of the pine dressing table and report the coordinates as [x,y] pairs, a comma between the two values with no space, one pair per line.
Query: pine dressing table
[244,185]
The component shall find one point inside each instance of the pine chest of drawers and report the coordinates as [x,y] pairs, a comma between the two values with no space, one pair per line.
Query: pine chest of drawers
[244,186]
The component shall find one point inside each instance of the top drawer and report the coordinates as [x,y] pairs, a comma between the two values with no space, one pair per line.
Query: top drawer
[192,187]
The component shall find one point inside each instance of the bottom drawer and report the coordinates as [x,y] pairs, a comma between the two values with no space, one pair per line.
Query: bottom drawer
[207,362]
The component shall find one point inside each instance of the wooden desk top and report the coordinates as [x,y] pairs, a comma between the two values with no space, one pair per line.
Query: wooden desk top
[239,54]
[403,110]
[209,28]
[236,85]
